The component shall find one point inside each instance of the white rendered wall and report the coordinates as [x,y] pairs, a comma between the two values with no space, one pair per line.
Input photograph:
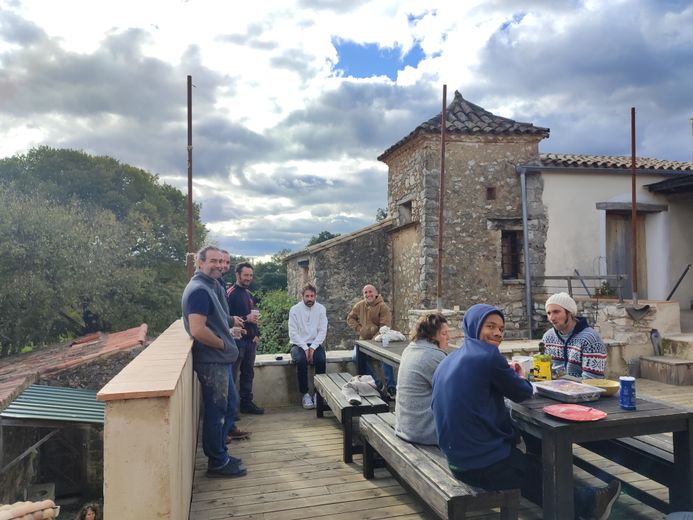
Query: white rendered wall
[576,236]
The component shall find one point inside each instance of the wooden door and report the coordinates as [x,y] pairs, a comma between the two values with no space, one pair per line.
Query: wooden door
[618,251]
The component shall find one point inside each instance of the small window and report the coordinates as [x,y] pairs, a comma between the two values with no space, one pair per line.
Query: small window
[404,212]
[491,193]
[512,254]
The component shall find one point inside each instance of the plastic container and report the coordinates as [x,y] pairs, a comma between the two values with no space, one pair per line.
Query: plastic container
[568,391]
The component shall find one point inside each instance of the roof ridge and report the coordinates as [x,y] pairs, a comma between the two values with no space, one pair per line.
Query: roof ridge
[463,117]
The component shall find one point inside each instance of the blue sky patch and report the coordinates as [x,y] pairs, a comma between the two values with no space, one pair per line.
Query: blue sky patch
[367,60]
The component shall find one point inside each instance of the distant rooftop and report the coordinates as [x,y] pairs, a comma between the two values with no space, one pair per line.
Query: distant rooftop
[466,118]
[19,371]
[612,161]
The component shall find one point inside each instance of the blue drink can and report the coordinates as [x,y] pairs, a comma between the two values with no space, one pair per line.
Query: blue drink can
[626,396]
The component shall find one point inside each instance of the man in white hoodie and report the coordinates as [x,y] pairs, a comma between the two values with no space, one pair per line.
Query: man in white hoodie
[307,331]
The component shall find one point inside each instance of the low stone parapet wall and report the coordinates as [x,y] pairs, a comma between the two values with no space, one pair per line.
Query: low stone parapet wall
[275,381]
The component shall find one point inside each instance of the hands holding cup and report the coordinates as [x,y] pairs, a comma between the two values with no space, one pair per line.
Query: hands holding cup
[253,316]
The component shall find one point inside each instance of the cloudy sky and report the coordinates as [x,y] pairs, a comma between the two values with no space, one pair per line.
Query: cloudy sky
[295,99]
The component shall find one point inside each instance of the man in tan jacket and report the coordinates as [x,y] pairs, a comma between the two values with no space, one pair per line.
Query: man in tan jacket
[366,318]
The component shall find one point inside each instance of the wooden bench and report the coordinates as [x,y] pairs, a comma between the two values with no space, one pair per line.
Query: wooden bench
[424,470]
[649,455]
[328,391]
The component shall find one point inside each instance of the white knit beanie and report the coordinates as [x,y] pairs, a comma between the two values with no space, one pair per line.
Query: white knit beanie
[564,300]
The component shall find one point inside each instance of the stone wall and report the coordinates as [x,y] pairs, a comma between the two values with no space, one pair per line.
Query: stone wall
[474,222]
[19,477]
[339,269]
[406,263]
[75,453]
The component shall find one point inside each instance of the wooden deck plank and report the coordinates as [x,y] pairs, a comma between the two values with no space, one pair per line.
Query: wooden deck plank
[295,473]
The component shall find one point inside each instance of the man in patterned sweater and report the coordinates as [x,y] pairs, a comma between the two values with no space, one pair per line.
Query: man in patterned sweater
[575,348]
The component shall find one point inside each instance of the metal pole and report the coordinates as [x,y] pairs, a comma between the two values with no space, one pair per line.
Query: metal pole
[441,200]
[525,239]
[633,214]
[189,258]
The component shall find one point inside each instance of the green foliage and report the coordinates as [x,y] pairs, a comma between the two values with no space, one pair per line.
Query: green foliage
[267,276]
[321,237]
[605,290]
[380,214]
[58,262]
[274,322]
[87,243]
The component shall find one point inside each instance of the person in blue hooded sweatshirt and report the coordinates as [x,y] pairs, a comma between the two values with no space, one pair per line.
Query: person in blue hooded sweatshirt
[473,424]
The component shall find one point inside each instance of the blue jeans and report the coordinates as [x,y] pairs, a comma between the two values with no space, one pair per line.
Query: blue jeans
[298,355]
[245,364]
[219,399]
[388,372]
[231,407]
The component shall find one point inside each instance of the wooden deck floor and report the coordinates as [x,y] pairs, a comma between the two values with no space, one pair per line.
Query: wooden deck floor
[295,472]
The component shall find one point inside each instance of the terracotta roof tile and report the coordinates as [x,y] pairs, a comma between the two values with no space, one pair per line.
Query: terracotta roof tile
[18,372]
[465,118]
[612,161]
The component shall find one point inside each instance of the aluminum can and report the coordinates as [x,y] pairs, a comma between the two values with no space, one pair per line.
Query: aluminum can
[626,396]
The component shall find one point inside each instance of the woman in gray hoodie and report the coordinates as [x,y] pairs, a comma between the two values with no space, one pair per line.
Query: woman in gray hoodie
[414,418]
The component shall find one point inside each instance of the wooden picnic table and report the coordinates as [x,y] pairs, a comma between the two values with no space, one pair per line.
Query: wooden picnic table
[558,437]
[392,354]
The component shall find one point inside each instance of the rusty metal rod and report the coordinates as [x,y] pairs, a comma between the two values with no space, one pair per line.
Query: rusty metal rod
[441,201]
[189,259]
[633,214]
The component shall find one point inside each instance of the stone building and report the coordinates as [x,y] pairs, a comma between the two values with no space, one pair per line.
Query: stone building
[500,193]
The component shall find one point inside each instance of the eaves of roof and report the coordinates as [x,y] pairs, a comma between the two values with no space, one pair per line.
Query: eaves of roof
[681,184]
[611,162]
[385,223]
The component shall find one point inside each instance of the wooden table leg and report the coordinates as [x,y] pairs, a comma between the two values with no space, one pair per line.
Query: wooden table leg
[348,434]
[681,490]
[557,475]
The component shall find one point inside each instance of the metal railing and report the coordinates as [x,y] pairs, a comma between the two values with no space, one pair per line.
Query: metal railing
[600,286]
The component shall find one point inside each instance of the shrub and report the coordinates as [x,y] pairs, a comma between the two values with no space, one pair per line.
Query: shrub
[274,322]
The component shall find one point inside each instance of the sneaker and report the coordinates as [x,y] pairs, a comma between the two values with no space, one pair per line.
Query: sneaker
[392,393]
[252,408]
[604,499]
[231,470]
[237,434]
[308,402]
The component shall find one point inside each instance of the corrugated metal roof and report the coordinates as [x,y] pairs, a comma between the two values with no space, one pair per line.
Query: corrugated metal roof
[55,403]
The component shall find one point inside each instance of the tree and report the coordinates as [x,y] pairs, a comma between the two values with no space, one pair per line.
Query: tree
[321,237]
[274,322]
[380,214]
[144,221]
[58,262]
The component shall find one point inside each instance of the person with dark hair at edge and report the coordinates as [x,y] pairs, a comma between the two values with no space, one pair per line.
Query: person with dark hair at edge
[575,348]
[89,512]
[214,351]
[242,304]
[474,427]
[413,415]
[307,332]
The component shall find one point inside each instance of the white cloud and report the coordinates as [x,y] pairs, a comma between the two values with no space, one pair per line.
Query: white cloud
[283,143]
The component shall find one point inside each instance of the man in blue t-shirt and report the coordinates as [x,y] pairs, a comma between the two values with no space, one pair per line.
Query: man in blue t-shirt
[214,351]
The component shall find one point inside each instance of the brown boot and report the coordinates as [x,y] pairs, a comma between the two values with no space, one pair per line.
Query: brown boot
[237,434]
